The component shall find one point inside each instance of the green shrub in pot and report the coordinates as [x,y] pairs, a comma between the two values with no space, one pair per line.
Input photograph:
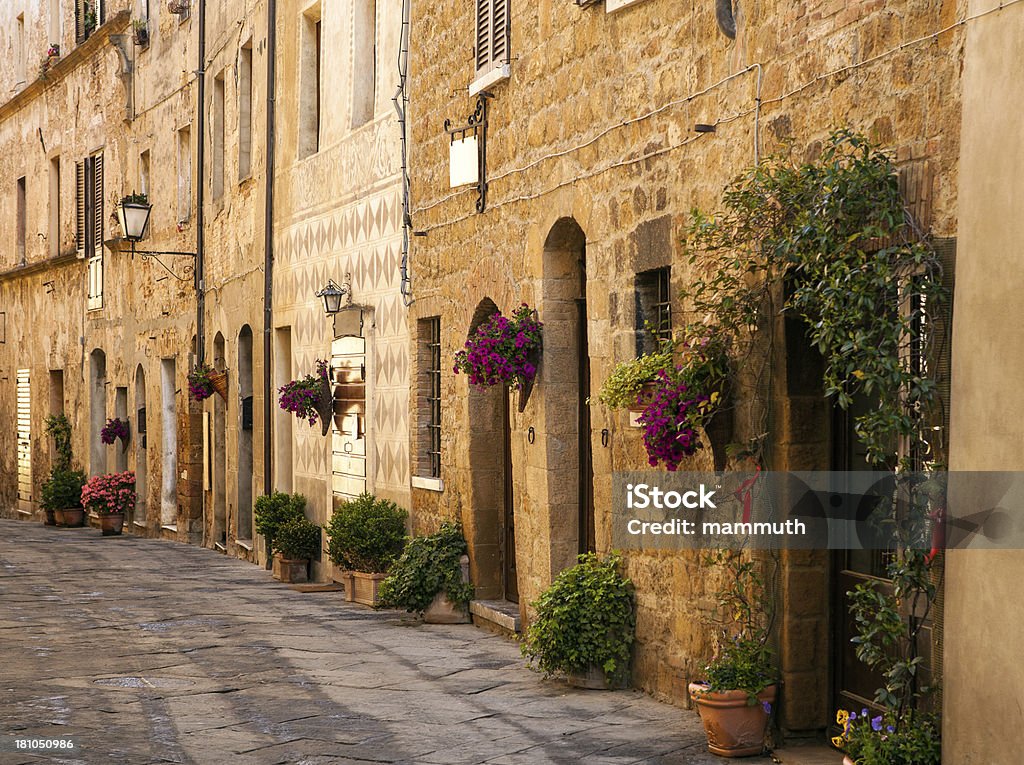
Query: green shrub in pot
[63,489]
[430,565]
[298,539]
[272,511]
[366,534]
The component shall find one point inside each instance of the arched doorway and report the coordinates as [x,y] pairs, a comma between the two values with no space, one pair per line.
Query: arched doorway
[141,463]
[566,382]
[220,454]
[169,443]
[243,523]
[491,534]
[97,411]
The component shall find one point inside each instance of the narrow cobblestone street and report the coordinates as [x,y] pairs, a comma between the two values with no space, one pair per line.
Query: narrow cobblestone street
[147,651]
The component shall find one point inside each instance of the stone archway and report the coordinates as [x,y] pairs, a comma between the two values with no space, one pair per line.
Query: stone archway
[246,413]
[490,529]
[565,382]
[97,411]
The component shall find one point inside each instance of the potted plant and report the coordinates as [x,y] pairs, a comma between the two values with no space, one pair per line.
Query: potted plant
[62,496]
[366,536]
[271,512]
[140,32]
[115,429]
[296,543]
[735,697]
[310,397]
[585,624]
[204,381]
[876,740]
[58,427]
[432,578]
[110,497]
[504,351]
[632,382]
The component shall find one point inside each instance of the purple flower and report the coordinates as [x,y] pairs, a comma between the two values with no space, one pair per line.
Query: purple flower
[876,723]
[499,351]
[766,707]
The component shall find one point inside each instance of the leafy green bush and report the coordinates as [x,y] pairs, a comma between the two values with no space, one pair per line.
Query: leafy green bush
[298,539]
[272,511]
[622,387]
[586,617]
[58,427]
[885,740]
[63,489]
[741,665]
[366,534]
[429,565]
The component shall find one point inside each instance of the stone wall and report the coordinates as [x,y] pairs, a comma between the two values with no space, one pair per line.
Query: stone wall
[594,129]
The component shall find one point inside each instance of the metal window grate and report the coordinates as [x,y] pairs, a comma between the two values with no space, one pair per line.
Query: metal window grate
[654,308]
[433,396]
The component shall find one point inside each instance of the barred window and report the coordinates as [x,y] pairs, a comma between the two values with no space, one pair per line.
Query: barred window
[429,404]
[653,308]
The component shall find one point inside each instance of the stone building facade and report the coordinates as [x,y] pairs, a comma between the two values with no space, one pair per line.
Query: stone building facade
[92,331]
[592,166]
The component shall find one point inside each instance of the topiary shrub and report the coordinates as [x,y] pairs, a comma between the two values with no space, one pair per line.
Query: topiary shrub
[429,565]
[367,534]
[586,618]
[272,511]
[298,539]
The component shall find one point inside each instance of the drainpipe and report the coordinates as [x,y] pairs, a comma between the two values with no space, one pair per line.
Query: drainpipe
[200,195]
[268,252]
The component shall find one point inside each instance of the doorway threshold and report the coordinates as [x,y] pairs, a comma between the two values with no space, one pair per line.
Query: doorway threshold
[501,616]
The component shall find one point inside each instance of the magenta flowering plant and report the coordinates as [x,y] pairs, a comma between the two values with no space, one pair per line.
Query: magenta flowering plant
[114,429]
[302,397]
[670,420]
[111,493]
[503,350]
[200,386]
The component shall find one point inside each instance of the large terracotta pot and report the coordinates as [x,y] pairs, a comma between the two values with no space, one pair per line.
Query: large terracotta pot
[73,516]
[734,727]
[111,524]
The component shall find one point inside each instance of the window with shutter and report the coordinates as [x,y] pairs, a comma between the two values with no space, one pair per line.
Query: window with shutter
[80,208]
[97,205]
[492,43]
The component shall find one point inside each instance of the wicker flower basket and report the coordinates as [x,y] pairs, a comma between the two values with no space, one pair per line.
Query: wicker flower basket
[219,381]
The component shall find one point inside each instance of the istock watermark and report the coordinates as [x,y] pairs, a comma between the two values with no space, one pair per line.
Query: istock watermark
[818,510]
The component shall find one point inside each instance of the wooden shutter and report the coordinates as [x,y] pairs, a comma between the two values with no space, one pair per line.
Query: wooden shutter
[97,204]
[483,34]
[499,32]
[80,21]
[101,12]
[80,196]
[492,24]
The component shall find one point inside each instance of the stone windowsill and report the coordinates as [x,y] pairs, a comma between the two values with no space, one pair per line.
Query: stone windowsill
[170,527]
[430,484]
[611,6]
[486,80]
[245,544]
[140,524]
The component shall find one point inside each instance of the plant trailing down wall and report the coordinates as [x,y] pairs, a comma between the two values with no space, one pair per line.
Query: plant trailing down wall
[830,242]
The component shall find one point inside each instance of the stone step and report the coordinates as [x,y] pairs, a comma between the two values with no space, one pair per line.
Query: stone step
[501,616]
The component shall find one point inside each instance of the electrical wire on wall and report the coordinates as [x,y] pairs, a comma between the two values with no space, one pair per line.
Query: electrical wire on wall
[401,102]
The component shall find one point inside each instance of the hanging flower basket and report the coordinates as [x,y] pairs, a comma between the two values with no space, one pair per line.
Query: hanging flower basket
[311,398]
[504,351]
[200,383]
[116,428]
[219,381]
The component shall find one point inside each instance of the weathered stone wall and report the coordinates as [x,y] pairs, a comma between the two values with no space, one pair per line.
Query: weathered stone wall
[596,125]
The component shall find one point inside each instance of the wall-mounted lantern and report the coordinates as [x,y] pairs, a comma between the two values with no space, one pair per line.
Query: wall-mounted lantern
[134,216]
[336,297]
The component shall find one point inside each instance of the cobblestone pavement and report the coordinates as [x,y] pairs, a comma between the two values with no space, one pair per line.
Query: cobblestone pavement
[147,651]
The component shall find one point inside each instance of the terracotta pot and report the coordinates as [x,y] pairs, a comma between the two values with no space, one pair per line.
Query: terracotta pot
[847,760]
[219,381]
[443,611]
[643,398]
[73,516]
[111,524]
[291,570]
[734,727]
[49,518]
[58,517]
[361,587]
